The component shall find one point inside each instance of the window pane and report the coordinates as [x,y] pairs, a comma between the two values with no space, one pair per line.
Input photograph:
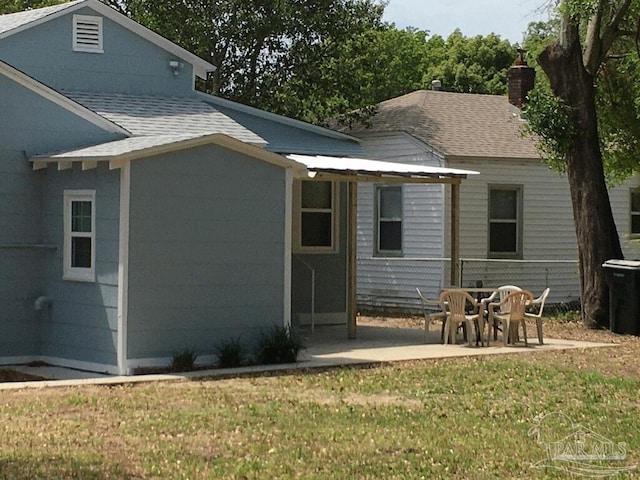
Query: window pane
[635,224]
[81,252]
[316,194]
[635,201]
[503,204]
[316,229]
[502,238]
[390,203]
[81,217]
[390,236]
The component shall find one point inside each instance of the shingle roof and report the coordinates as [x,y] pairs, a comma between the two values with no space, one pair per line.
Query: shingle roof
[116,148]
[150,115]
[127,149]
[12,21]
[456,124]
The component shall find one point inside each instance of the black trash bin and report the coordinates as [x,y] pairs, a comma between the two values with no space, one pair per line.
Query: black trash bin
[623,280]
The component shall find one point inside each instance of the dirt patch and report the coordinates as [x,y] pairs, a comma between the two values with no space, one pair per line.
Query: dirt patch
[8,375]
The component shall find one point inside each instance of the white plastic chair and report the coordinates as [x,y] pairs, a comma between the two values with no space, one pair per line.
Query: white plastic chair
[518,301]
[501,293]
[428,307]
[538,304]
[455,302]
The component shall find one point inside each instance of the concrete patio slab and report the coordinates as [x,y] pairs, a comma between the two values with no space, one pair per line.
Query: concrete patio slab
[325,347]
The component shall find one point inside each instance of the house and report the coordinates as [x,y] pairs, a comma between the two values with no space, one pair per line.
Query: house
[516,220]
[141,217]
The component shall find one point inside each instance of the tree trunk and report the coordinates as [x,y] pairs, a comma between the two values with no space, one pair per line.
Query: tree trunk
[596,231]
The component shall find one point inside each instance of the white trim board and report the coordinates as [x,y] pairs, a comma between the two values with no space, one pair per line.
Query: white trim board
[57,98]
[123,267]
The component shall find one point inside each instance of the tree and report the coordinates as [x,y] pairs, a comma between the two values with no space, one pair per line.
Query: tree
[578,65]
[315,60]
[13,6]
[475,64]
[259,46]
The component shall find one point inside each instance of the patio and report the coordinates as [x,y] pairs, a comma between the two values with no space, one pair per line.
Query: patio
[327,346]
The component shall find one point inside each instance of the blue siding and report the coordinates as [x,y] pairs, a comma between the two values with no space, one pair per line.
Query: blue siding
[83,324]
[29,124]
[206,250]
[284,138]
[129,64]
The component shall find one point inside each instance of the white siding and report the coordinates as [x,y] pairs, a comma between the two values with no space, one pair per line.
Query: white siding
[620,198]
[549,243]
[547,215]
[392,281]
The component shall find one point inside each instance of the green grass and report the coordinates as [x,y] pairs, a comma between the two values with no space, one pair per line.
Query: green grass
[460,418]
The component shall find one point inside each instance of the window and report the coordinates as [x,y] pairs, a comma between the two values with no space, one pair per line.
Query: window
[315,217]
[87,34]
[389,220]
[635,212]
[79,235]
[505,222]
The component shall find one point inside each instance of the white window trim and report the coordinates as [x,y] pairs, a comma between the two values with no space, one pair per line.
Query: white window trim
[88,48]
[297,221]
[75,273]
[519,221]
[379,219]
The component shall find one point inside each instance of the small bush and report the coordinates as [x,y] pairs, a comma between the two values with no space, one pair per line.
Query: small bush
[279,345]
[231,353]
[183,361]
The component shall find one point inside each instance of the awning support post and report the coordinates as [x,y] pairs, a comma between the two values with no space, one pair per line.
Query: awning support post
[455,232]
[352,248]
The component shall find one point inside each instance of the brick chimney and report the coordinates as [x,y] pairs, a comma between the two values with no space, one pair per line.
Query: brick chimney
[521,79]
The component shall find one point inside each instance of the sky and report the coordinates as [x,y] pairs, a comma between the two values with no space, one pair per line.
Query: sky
[507,18]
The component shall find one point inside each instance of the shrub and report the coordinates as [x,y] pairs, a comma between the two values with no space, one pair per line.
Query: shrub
[231,353]
[184,360]
[279,345]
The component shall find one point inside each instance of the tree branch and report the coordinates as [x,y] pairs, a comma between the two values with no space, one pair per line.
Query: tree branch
[600,39]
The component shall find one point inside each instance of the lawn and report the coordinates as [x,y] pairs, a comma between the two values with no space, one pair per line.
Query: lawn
[455,418]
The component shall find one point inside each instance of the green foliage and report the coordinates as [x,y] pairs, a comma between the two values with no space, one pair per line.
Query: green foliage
[13,6]
[549,118]
[317,60]
[617,95]
[618,104]
[474,64]
[183,361]
[231,353]
[278,345]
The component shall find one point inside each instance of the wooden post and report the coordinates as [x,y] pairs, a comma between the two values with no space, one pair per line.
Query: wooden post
[455,232]
[352,246]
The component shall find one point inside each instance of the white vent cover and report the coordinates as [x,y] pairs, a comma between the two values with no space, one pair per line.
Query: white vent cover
[87,34]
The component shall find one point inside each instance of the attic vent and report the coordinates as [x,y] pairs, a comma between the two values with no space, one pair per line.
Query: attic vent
[87,34]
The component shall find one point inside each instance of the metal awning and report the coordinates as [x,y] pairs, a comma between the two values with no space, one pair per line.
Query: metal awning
[365,170]
[356,170]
